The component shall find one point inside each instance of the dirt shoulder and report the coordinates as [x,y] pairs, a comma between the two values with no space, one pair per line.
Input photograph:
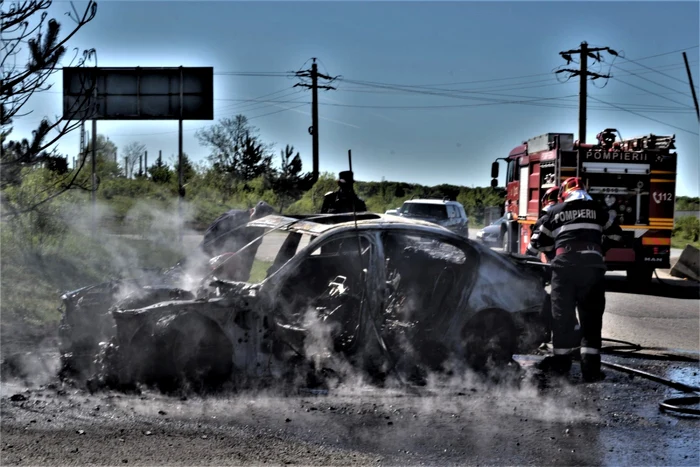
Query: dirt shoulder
[536,422]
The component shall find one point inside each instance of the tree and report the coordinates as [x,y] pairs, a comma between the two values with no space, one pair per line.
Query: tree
[188,170]
[132,154]
[27,23]
[254,161]
[236,148]
[106,162]
[160,172]
[290,182]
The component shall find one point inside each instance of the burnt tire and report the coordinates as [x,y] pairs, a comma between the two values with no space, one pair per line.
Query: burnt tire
[490,340]
[193,353]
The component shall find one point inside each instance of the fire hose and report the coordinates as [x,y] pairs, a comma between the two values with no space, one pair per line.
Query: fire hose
[673,404]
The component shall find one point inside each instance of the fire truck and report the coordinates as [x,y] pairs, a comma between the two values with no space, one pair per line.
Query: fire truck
[635,178]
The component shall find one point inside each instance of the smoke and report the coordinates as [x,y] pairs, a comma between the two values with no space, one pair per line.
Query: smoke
[56,250]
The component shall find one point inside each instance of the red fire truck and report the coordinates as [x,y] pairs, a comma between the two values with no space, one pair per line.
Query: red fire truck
[635,178]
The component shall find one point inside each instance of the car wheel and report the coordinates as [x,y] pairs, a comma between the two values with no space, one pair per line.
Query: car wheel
[490,339]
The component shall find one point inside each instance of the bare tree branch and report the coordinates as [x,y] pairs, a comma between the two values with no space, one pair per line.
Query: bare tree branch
[27,28]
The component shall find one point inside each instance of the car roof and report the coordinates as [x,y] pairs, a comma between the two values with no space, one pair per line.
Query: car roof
[313,224]
[431,201]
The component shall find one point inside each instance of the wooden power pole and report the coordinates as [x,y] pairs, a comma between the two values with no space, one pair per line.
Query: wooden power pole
[584,53]
[314,86]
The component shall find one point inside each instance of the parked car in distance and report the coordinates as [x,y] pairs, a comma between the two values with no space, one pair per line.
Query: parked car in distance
[443,212]
[492,234]
[393,212]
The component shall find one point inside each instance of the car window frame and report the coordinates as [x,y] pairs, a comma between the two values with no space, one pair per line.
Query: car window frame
[471,253]
[277,278]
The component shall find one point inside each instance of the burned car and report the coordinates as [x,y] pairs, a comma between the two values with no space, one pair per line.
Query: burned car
[312,295]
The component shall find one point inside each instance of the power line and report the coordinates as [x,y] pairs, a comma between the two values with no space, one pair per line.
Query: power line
[204,127]
[665,53]
[644,116]
[653,93]
[652,81]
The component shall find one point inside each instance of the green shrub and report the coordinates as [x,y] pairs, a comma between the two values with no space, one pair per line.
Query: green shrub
[687,228]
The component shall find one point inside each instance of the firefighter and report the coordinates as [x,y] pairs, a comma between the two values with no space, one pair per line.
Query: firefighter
[344,198]
[225,234]
[574,228]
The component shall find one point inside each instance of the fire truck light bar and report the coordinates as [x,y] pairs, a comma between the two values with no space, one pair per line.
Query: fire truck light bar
[612,168]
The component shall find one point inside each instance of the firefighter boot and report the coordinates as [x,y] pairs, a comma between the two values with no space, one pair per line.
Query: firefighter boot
[590,368]
[558,364]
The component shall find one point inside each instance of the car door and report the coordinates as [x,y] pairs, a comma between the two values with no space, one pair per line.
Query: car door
[429,279]
[329,288]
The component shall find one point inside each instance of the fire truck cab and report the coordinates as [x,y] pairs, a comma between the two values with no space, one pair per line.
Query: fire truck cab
[635,178]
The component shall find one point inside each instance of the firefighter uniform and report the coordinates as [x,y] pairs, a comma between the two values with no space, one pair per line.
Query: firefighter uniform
[344,199]
[574,230]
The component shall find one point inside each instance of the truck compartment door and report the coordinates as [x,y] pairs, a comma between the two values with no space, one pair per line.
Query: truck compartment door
[523,198]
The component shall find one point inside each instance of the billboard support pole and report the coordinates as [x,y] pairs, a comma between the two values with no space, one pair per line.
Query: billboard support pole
[181,189]
[94,177]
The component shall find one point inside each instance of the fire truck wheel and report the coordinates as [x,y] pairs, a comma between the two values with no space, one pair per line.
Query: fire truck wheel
[640,276]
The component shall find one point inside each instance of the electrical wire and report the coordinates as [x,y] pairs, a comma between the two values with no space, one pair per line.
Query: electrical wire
[656,71]
[653,93]
[644,116]
[205,127]
[654,82]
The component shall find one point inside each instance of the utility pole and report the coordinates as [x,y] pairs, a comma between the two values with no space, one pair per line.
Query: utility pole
[692,87]
[584,52]
[313,129]
[145,163]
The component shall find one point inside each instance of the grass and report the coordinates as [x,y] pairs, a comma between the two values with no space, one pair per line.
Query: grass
[259,271]
[678,241]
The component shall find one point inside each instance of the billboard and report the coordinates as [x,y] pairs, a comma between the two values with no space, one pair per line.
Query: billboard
[136,93]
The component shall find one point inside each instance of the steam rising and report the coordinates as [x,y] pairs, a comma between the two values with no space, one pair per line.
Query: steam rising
[453,390]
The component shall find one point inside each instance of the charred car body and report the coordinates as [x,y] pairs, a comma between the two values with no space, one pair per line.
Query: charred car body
[379,294]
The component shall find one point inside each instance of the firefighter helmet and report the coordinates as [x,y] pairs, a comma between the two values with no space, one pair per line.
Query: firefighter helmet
[571,186]
[550,197]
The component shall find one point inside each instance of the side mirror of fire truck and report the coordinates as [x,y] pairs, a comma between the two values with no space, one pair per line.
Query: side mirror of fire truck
[494,183]
[494,172]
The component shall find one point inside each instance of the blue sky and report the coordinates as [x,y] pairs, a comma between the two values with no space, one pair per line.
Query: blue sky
[503,51]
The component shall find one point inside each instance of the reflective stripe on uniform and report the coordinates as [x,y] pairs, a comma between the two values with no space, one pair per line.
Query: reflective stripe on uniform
[562,351]
[545,231]
[590,350]
[532,250]
[586,252]
[615,238]
[581,226]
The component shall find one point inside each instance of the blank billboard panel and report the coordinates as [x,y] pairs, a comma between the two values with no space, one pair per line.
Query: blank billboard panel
[138,93]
